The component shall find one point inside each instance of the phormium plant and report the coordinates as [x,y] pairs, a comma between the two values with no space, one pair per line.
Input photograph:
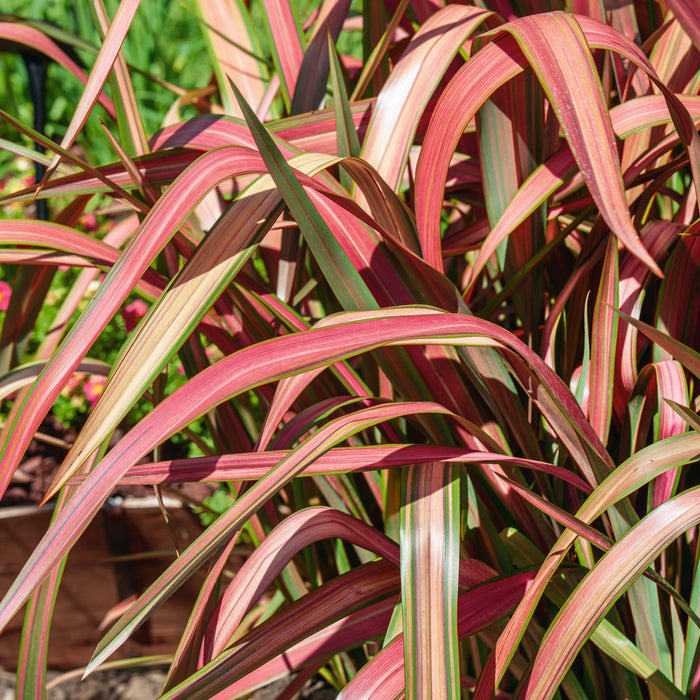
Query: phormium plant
[436,294]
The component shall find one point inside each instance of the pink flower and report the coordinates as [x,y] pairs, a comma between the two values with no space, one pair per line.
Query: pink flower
[74,382]
[133,313]
[93,388]
[5,293]
[89,222]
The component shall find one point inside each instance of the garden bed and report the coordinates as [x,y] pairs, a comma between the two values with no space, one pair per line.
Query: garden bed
[142,685]
[118,556]
[124,550]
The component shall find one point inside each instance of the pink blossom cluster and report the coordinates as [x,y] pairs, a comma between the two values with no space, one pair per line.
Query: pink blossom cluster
[5,293]
[88,386]
[132,313]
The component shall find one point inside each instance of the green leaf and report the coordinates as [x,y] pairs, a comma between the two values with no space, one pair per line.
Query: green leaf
[329,254]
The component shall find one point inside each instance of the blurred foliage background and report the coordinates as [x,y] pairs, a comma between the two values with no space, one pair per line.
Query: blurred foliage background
[166,46]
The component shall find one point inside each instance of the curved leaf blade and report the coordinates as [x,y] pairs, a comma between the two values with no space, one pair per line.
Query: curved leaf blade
[608,580]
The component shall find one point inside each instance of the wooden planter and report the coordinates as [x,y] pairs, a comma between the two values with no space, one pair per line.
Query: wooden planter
[123,550]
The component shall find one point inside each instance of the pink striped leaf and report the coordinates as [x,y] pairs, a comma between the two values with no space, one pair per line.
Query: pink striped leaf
[31,676]
[145,189]
[248,466]
[116,237]
[192,292]
[32,38]
[565,79]
[430,542]
[295,428]
[635,114]
[289,389]
[286,394]
[316,626]
[57,237]
[186,656]
[657,236]
[158,227]
[246,660]
[538,36]
[681,352]
[387,288]
[601,36]
[308,132]
[550,381]
[157,169]
[54,235]
[29,256]
[131,131]
[25,374]
[686,13]
[31,672]
[228,35]
[40,258]
[607,581]
[251,367]
[342,247]
[649,110]
[631,475]
[411,83]
[604,345]
[98,75]
[287,43]
[190,295]
[667,380]
[267,561]
[346,375]
[246,505]
[32,192]
[592,535]
[476,609]
[316,131]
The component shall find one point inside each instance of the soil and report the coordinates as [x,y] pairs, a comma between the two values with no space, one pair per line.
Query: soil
[106,685]
[141,685]
[46,452]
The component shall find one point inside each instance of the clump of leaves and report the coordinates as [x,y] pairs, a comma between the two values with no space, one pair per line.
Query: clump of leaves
[454,324]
